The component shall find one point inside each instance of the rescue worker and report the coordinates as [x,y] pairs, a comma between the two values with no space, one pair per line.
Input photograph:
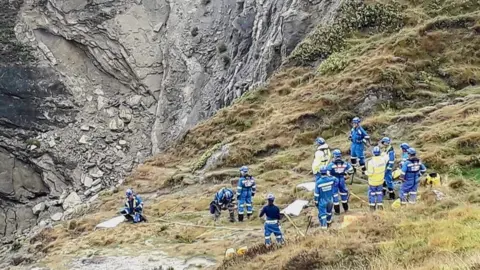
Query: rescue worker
[223,200]
[339,169]
[389,155]
[412,169]
[245,191]
[323,197]
[376,168]
[404,147]
[133,207]
[322,156]
[272,221]
[359,137]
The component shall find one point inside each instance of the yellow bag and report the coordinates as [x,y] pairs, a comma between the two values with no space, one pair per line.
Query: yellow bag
[396,204]
[433,179]
[242,250]
[396,174]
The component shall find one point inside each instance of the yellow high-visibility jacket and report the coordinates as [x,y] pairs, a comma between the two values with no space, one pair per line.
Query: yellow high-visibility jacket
[322,158]
[376,170]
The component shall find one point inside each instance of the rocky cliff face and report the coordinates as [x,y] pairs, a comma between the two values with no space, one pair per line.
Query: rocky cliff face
[89,88]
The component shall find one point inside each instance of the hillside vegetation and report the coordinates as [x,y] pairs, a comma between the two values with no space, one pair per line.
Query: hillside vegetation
[409,68]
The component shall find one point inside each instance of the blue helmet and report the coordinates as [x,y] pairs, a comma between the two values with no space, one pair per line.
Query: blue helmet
[404,146]
[337,153]
[323,170]
[386,140]
[270,197]
[244,169]
[129,192]
[356,120]
[376,151]
[411,151]
[320,141]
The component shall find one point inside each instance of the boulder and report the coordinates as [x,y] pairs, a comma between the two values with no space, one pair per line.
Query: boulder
[87,181]
[71,200]
[85,128]
[38,208]
[57,216]
[95,172]
[116,124]
[122,142]
[96,189]
[83,140]
[125,114]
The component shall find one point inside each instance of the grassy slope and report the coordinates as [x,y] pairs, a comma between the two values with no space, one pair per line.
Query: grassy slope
[410,71]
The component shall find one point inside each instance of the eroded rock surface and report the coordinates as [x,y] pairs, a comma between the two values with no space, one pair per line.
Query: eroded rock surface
[88,89]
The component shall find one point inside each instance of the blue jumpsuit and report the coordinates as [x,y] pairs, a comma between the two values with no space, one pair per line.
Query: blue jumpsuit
[358,136]
[134,208]
[245,191]
[404,157]
[324,198]
[223,197]
[412,169]
[272,223]
[339,168]
[390,153]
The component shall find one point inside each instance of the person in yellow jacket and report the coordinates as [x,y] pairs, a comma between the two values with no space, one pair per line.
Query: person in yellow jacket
[376,171]
[323,156]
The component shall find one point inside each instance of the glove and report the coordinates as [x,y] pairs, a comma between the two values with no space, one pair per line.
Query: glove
[316,203]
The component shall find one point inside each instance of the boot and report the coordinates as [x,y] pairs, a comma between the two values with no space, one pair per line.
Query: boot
[372,208]
[329,224]
[336,207]
[391,195]
[232,217]
[345,207]
[363,169]
[380,207]
[248,216]
[240,217]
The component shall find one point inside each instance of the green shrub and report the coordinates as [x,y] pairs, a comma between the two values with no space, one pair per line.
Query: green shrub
[33,142]
[335,63]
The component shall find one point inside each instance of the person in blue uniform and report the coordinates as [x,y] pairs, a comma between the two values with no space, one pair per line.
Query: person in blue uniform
[358,137]
[133,207]
[412,169]
[272,221]
[246,189]
[223,200]
[339,169]
[389,156]
[323,197]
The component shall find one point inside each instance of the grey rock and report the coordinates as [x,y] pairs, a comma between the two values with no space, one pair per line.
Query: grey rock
[93,198]
[72,200]
[116,124]
[97,182]
[96,189]
[125,114]
[38,208]
[83,140]
[52,143]
[134,101]
[57,216]
[87,181]
[85,128]
[122,142]
[95,172]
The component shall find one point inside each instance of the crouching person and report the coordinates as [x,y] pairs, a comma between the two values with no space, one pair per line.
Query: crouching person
[133,208]
[223,200]
[272,221]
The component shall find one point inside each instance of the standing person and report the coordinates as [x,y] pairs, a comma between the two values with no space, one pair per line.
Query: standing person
[376,168]
[223,200]
[322,155]
[339,169]
[272,221]
[246,189]
[323,197]
[412,169]
[389,155]
[359,138]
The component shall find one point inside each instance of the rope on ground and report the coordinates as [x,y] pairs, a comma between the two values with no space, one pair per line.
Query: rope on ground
[206,226]
[358,197]
[294,225]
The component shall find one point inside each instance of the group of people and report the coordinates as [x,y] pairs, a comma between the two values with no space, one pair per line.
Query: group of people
[331,172]
[224,199]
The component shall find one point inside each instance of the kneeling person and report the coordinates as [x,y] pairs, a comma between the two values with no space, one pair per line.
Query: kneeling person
[272,222]
[133,208]
[223,200]
[324,197]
